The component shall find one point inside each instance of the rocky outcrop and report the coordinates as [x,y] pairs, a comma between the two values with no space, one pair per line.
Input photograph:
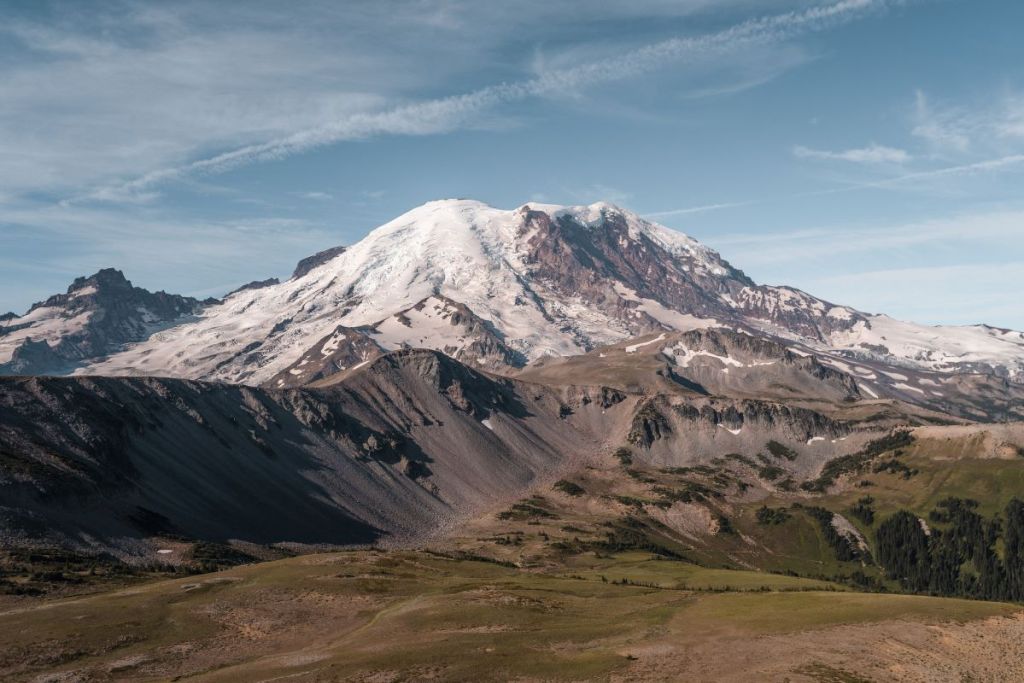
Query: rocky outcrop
[343,349]
[683,432]
[587,257]
[438,322]
[255,284]
[33,357]
[742,364]
[96,316]
[410,442]
[318,259]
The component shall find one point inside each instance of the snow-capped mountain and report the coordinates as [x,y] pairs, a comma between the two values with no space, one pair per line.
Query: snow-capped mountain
[97,315]
[502,288]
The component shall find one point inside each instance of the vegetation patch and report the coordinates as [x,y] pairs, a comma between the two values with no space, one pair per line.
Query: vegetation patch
[781,451]
[525,511]
[845,550]
[569,488]
[956,555]
[863,511]
[215,556]
[772,516]
[856,462]
[894,466]
[686,492]
[632,534]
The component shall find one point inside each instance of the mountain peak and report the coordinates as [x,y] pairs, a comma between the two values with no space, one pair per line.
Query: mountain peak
[505,287]
[98,315]
[103,278]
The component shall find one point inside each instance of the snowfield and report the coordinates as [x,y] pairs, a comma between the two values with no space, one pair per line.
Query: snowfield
[479,256]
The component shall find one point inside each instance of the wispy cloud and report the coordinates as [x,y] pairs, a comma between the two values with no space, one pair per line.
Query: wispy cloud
[977,167]
[972,229]
[1007,163]
[961,129]
[696,209]
[944,131]
[448,113]
[317,196]
[959,294]
[872,154]
[184,255]
[598,192]
[958,269]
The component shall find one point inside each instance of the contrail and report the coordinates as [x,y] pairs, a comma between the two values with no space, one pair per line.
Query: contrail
[445,114]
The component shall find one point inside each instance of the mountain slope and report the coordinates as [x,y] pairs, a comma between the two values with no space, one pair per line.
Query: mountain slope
[533,282]
[409,443]
[96,316]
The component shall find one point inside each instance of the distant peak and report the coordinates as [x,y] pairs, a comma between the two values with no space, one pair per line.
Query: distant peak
[255,284]
[321,257]
[102,278]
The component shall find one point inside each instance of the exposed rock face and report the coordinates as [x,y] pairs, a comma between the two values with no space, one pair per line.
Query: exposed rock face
[713,361]
[438,322]
[600,259]
[739,364]
[32,357]
[409,442]
[96,316]
[501,289]
[343,349]
[608,261]
[310,262]
[255,284]
[682,433]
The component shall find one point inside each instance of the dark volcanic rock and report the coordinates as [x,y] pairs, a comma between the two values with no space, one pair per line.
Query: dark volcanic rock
[31,356]
[310,262]
[255,284]
[343,349]
[468,337]
[412,441]
[97,315]
[583,258]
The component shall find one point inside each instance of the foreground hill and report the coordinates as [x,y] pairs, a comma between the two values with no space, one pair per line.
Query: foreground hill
[375,616]
[409,442]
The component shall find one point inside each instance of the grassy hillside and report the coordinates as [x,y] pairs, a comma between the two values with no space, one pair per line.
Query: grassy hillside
[368,615]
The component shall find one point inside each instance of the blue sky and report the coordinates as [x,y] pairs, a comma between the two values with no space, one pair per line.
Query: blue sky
[868,151]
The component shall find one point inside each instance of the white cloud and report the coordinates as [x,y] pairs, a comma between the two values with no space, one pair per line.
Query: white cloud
[1012,122]
[872,154]
[317,196]
[599,192]
[960,129]
[944,131]
[959,294]
[695,209]
[955,269]
[182,255]
[1004,228]
[447,113]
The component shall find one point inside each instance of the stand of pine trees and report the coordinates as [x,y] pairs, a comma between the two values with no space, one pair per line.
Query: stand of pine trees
[956,555]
